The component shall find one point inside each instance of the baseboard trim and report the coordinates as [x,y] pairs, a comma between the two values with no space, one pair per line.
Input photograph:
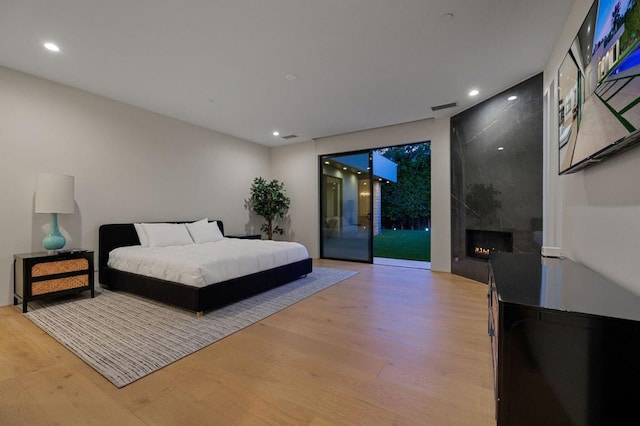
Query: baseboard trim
[551,251]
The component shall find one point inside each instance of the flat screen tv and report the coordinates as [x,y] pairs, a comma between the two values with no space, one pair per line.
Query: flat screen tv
[599,86]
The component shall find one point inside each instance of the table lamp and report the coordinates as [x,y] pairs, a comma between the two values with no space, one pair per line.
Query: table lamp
[54,194]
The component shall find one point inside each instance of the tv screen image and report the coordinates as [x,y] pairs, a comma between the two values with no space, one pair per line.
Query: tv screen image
[599,88]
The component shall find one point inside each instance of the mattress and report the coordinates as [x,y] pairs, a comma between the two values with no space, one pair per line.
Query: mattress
[199,265]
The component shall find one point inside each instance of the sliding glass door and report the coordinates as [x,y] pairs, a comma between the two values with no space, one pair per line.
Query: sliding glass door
[346,205]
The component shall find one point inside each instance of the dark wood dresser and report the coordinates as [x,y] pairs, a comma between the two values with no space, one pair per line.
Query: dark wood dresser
[565,343]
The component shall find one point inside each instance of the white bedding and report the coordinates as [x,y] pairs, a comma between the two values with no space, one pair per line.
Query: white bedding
[201,264]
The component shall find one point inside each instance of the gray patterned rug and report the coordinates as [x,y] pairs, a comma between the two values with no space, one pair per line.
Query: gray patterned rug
[125,337]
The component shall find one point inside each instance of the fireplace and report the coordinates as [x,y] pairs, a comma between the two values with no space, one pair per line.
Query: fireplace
[480,244]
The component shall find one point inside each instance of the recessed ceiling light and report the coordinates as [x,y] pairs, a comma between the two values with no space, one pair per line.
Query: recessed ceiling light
[501,148]
[474,92]
[291,77]
[276,133]
[512,98]
[52,47]
[326,162]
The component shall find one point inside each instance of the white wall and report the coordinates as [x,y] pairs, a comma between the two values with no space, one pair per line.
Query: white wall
[129,164]
[593,216]
[297,166]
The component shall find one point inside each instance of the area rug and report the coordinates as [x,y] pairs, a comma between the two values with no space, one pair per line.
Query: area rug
[125,337]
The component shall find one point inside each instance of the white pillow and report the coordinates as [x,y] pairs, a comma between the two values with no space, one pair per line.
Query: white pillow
[142,235]
[198,222]
[204,232]
[167,234]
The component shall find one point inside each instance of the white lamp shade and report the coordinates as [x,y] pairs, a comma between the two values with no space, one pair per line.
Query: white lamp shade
[54,193]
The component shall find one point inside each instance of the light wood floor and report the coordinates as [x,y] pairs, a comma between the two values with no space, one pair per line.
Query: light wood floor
[390,346]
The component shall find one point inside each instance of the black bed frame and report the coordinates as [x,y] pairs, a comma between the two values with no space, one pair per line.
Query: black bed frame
[198,299]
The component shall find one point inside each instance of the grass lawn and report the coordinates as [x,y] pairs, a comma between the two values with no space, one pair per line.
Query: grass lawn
[403,244]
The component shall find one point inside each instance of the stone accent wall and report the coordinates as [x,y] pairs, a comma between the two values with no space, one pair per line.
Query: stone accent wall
[496,173]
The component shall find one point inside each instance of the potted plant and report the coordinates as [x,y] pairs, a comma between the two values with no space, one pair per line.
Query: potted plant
[268,199]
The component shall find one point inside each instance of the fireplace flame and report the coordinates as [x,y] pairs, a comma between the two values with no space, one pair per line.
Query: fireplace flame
[481,251]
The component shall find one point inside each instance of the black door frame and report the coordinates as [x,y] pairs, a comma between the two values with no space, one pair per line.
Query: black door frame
[321,159]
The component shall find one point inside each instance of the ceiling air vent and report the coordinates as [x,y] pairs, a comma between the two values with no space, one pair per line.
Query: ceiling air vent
[444,106]
[289,136]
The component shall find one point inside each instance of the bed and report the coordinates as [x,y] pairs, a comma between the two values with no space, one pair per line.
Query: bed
[197,299]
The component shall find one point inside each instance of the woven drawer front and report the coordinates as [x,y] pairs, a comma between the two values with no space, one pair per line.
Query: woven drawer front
[59,284]
[59,267]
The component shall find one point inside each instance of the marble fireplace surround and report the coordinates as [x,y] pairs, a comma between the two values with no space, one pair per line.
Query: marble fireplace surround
[496,175]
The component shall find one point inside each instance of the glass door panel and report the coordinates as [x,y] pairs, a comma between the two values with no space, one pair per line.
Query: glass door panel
[346,205]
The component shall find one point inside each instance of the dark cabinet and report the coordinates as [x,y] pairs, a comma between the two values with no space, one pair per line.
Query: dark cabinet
[565,343]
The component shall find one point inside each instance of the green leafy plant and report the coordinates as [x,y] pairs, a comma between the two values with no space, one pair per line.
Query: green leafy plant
[268,199]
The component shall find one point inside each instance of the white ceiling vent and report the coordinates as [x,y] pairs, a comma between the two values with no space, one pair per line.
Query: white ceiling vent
[289,136]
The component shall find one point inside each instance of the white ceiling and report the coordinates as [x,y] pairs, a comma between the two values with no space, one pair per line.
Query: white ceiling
[221,64]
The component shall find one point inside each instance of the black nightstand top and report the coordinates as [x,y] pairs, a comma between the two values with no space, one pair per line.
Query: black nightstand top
[47,254]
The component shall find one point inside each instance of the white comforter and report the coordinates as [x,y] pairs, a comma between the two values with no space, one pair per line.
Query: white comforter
[201,264]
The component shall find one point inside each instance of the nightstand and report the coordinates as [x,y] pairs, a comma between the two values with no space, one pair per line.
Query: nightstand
[246,236]
[40,275]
